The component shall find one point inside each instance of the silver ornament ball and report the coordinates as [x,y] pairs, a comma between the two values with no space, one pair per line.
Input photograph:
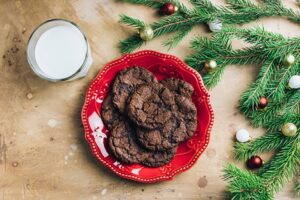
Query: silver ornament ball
[242,135]
[294,82]
[146,33]
[289,129]
[215,26]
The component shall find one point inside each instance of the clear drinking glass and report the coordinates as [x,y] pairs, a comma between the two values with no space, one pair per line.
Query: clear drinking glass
[31,51]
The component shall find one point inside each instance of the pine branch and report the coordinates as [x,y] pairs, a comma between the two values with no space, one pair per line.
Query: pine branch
[279,84]
[244,184]
[151,3]
[130,44]
[163,26]
[210,79]
[173,41]
[268,142]
[283,167]
[277,122]
[266,45]
[124,19]
[275,110]
[250,98]
[237,12]
[297,188]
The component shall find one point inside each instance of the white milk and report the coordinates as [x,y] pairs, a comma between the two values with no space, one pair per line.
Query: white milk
[60,51]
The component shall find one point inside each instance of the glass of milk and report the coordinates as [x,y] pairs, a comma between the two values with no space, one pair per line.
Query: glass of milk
[59,51]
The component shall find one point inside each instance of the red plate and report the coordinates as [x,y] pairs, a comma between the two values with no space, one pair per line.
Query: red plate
[162,66]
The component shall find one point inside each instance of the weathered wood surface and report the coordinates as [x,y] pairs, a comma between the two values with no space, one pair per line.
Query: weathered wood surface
[43,154]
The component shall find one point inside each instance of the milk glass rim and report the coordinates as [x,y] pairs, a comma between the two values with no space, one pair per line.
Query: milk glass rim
[37,69]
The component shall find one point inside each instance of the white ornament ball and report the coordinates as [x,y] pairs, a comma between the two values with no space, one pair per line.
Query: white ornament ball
[289,59]
[215,26]
[242,135]
[294,82]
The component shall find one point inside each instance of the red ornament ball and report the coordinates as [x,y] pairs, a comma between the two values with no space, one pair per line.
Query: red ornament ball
[263,102]
[168,9]
[254,162]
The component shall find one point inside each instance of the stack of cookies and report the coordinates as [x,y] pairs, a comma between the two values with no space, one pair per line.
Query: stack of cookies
[148,119]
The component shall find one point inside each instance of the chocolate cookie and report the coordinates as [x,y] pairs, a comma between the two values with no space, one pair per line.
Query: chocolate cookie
[151,105]
[187,111]
[178,86]
[122,142]
[110,115]
[164,138]
[157,159]
[126,82]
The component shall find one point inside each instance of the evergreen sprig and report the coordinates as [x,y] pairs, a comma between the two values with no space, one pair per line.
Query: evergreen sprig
[237,12]
[265,143]
[283,167]
[297,188]
[267,51]
[244,184]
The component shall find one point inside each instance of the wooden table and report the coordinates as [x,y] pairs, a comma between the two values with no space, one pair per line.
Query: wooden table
[43,154]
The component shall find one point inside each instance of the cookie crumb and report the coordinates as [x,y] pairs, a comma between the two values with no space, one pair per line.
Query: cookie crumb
[15,164]
[104,191]
[52,123]
[23,30]
[73,147]
[29,95]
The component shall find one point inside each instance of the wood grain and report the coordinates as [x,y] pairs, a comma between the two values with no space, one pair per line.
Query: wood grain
[43,154]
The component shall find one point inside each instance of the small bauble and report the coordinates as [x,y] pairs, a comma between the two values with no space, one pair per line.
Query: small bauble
[168,9]
[289,59]
[215,26]
[289,129]
[146,33]
[263,102]
[210,65]
[254,162]
[294,82]
[242,135]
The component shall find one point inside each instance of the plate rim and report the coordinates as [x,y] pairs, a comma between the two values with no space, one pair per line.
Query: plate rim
[98,77]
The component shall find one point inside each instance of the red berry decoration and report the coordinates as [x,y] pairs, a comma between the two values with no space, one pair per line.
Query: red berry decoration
[168,9]
[254,162]
[263,102]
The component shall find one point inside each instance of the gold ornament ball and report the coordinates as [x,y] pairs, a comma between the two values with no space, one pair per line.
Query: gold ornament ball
[289,129]
[146,33]
[211,65]
[289,59]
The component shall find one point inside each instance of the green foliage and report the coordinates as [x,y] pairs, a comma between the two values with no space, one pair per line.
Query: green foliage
[245,185]
[297,188]
[173,41]
[237,12]
[287,108]
[151,3]
[283,167]
[268,142]
[131,21]
[267,51]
